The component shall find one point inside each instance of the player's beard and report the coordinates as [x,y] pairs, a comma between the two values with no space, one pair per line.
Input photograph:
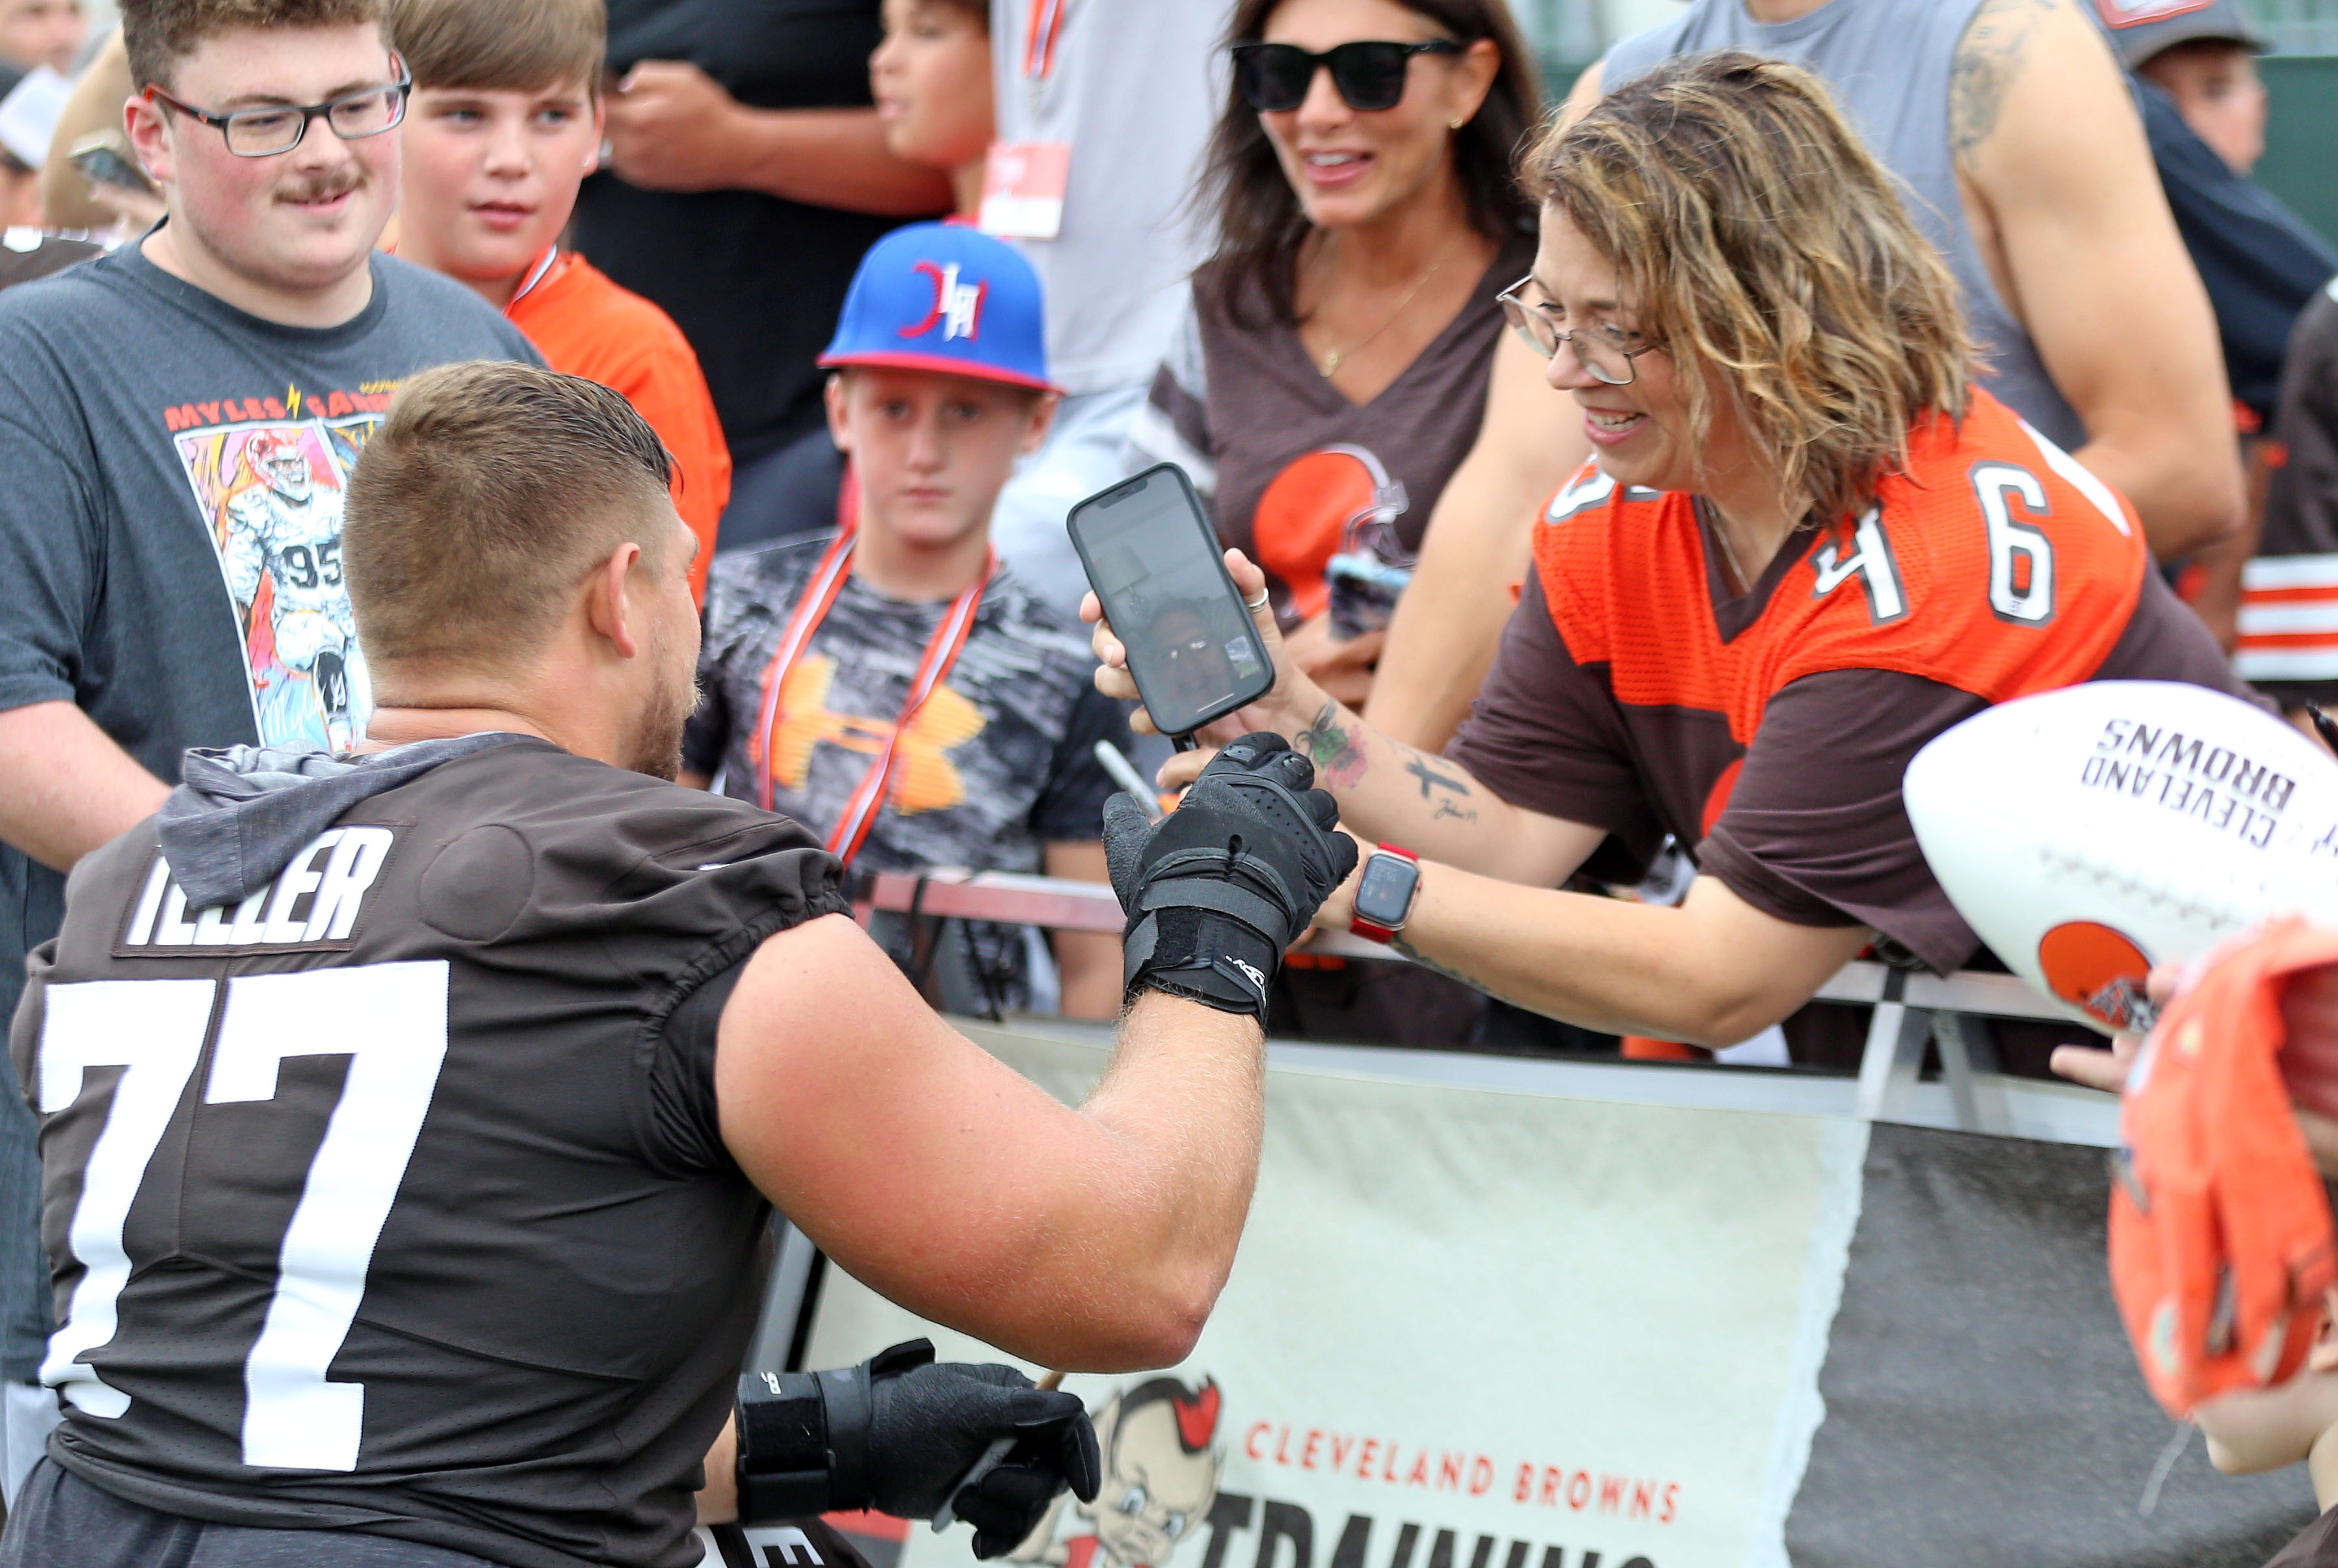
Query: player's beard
[656,750]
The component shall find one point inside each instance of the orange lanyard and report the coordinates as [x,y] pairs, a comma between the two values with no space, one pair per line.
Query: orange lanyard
[812,605]
[1041,30]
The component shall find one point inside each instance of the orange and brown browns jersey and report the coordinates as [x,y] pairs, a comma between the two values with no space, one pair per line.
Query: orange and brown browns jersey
[1769,729]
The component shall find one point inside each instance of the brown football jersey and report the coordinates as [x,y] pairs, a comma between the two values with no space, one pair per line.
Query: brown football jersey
[393,1198]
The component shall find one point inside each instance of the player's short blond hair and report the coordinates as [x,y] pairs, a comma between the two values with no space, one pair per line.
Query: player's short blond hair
[1757,238]
[490,45]
[481,503]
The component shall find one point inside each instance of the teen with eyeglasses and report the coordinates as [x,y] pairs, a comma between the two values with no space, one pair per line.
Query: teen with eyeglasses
[184,415]
[1809,542]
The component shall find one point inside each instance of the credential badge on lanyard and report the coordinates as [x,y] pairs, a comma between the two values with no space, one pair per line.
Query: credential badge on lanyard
[1023,183]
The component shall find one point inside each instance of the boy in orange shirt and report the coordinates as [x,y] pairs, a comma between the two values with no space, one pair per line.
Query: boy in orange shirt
[504,125]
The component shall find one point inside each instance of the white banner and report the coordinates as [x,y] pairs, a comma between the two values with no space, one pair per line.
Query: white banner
[1467,1330]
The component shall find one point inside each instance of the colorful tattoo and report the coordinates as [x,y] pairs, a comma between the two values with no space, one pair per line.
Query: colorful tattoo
[1339,761]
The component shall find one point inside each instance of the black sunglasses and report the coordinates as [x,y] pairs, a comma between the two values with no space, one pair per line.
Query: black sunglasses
[1274,78]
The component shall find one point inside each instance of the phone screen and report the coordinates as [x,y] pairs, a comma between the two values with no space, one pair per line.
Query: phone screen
[108,167]
[1157,568]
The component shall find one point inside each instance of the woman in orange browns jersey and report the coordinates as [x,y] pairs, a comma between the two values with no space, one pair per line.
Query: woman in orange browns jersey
[1806,543]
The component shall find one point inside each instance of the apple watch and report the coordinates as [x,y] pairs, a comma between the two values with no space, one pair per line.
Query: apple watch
[1384,895]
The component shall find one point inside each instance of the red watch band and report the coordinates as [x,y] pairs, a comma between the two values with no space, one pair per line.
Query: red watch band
[1372,929]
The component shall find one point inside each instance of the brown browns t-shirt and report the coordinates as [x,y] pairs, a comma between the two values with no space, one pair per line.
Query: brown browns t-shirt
[1780,767]
[1246,403]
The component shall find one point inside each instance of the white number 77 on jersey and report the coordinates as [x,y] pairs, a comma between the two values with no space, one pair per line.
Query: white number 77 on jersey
[391,1021]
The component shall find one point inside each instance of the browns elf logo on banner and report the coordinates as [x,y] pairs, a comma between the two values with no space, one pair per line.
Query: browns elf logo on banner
[1160,1482]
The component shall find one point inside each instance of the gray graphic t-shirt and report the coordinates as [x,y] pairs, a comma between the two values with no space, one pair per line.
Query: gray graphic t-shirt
[999,763]
[170,519]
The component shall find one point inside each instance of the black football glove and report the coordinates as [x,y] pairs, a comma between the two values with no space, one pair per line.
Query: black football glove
[1218,889]
[900,1433]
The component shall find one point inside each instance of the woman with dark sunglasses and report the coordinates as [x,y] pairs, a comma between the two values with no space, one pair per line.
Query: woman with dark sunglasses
[1333,368]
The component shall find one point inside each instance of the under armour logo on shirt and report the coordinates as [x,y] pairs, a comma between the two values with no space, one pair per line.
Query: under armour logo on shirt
[957,306]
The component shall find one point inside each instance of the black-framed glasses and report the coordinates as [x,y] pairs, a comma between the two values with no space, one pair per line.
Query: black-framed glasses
[273,128]
[1605,352]
[1370,74]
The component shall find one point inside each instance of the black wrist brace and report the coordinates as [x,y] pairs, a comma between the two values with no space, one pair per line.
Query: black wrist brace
[782,1467]
[803,1437]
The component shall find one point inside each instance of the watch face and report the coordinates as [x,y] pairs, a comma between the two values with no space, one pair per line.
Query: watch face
[1385,895]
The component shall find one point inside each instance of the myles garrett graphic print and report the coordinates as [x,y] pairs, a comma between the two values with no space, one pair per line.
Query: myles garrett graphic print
[271,493]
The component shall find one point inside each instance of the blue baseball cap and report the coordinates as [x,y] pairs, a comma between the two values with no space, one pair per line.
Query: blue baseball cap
[945,298]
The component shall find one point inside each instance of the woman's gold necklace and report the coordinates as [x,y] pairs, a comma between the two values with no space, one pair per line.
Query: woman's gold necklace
[1334,358]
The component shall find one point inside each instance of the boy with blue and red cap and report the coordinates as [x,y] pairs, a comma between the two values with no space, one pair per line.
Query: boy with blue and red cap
[887,684]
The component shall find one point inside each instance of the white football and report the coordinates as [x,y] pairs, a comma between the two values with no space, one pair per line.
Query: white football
[2088,833]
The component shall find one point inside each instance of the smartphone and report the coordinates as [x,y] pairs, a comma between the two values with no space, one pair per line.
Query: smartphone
[1160,573]
[101,159]
[1365,591]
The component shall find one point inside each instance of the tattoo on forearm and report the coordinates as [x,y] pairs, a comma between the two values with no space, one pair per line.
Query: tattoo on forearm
[1445,810]
[1434,967]
[1987,61]
[1429,777]
[1339,761]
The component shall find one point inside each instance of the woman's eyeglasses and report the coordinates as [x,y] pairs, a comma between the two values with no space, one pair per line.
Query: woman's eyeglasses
[264,132]
[1371,75]
[1605,352]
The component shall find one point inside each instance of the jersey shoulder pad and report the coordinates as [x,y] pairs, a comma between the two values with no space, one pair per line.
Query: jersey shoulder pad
[639,865]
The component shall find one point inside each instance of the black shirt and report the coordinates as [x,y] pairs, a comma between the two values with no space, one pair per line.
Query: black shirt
[421,1225]
[754,282]
[2258,259]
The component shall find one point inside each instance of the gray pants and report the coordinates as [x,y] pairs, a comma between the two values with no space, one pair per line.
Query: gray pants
[60,1521]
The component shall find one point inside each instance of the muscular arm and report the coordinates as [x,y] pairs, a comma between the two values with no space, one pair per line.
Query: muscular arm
[1095,1239]
[65,787]
[1087,963]
[2056,168]
[672,127]
[1442,638]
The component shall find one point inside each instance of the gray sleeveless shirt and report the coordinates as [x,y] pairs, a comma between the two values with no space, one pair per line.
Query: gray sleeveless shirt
[1888,63]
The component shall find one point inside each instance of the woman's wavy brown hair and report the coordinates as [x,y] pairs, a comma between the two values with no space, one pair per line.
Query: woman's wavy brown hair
[1259,223]
[1757,238]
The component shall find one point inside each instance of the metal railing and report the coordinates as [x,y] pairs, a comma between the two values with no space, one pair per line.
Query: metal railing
[1912,1010]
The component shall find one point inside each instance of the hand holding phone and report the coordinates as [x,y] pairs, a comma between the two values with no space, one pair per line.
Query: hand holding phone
[103,158]
[1160,576]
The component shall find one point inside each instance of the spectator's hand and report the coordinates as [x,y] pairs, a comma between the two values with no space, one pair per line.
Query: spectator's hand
[2108,1070]
[1343,669]
[1286,710]
[2309,1056]
[133,212]
[672,127]
[2098,1068]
